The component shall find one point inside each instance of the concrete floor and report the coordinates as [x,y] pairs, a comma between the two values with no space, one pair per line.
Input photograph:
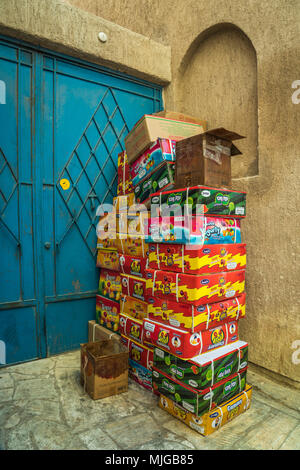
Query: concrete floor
[43,406]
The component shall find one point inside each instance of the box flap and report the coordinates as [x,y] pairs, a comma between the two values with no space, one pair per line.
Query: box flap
[224,134]
[180,117]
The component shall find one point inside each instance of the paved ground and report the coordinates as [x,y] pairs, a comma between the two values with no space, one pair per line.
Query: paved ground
[43,406]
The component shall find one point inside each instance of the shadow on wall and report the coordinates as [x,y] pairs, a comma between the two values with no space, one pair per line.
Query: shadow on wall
[217,81]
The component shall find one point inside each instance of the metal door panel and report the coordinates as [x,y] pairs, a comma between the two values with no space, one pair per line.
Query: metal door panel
[91,113]
[63,119]
[67,323]
[18,329]
[18,326]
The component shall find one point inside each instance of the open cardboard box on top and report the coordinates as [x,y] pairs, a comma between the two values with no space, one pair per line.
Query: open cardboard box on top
[205,159]
[152,126]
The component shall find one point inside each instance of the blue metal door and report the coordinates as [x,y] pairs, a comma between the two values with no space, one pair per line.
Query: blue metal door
[63,123]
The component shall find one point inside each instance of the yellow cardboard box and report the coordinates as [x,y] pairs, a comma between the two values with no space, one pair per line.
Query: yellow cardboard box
[214,419]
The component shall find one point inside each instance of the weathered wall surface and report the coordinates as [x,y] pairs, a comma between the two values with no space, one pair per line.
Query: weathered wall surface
[233,63]
[239,74]
[59,26]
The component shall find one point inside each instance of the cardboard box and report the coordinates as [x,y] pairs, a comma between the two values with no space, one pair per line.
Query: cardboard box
[134,286]
[139,353]
[110,285]
[162,178]
[104,368]
[196,318]
[131,328]
[133,265]
[124,179]
[133,307]
[108,260]
[140,374]
[150,127]
[197,290]
[123,203]
[99,333]
[132,223]
[107,244]
[163,150]
[199,402]
[206,158]
[195,259]
[180,117]
[107,313]
[132,246]
[220,202]
[213,420]
[193,230]
[204,370]
[185,344]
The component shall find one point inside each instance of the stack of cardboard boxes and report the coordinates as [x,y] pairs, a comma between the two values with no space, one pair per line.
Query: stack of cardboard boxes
[196,287]
[151,155]
[172,284]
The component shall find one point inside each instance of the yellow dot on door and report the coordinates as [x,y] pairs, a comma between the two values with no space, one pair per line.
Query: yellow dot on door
[65,184]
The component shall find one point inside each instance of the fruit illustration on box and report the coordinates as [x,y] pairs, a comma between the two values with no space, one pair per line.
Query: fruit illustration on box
[135,354]
[168,360]
[163,337]
[103,317]
[181,414]
[217,336]
[232,413]
[110,285]
[138,289]
[135,267]
[135,331]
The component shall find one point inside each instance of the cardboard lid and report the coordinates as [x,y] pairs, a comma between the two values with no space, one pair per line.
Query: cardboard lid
[224,134]
[180,117]
[209,356]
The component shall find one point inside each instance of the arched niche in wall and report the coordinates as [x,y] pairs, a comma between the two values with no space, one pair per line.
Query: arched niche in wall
[217,81]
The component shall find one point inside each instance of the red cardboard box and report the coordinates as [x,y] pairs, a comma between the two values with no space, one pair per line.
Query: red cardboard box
[135,308]
[195,259]
[196,290]
[124,178]
[110,284]
[108,260]
[134,286]
[107,313]
[133,265]
[139,353]
[185,344]
[131,327]
[196,318]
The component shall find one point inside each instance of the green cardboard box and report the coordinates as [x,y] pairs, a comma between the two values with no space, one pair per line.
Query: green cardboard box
[198,401]
[205,370]
[161,178]
[216,201]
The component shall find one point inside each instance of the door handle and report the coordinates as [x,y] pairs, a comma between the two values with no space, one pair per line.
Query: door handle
[47,245]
